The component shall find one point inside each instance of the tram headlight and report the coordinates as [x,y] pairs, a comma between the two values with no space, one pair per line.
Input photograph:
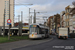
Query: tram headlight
[32,34]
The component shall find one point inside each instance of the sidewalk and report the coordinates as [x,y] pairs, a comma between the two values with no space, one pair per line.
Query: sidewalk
[22,43]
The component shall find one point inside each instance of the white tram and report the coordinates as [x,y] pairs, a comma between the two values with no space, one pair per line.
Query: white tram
[38,31]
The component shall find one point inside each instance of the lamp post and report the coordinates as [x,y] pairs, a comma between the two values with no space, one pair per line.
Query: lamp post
[61,19]
[34,15]
[44,20]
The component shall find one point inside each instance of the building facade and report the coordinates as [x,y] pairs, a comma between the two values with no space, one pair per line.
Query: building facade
[62,18]
[72,12]
[4,4]
[50,23]
[68,18]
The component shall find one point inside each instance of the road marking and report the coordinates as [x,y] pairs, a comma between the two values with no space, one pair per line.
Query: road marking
[73,38]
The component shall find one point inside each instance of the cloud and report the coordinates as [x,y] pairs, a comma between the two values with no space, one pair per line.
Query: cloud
[52,7]
[49,8]
[34,1]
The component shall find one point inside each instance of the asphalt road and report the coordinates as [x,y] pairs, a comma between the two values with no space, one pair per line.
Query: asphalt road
[55,44]
[22,43]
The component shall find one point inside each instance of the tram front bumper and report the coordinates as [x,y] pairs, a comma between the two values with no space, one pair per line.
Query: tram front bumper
[34,36]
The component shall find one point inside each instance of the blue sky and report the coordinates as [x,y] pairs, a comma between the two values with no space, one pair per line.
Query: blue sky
[50,6]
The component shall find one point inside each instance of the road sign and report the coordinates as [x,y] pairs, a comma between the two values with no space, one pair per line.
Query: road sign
[9,21]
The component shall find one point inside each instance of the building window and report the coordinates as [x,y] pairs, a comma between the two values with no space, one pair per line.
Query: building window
[68,16]
[65,17]
[73,16]
[7,10]
[7,16]
[5,20]
[68,10]
[68,23]
[74,25]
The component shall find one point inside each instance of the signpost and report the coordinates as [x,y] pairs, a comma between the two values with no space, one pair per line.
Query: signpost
[9,22]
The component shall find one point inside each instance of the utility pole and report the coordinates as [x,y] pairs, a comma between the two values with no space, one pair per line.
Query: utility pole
[18,18]
[31,19]
[29,16]
[21,22]
[34,17]
[21,16]
[4,24]
[18,24]
[9,25]
[44,21]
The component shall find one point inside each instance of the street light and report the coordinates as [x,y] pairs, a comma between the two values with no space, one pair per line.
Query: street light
[44,20]
[35,14]
[44,16]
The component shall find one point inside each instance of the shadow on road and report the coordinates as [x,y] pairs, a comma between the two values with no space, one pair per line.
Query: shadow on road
[41,38]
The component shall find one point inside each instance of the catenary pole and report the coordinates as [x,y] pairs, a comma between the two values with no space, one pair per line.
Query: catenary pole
[4,24]
[9,25]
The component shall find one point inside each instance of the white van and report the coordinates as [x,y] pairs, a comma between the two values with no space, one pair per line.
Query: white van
[63,32]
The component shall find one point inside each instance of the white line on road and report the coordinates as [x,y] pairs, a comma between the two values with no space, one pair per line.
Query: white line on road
[73,38]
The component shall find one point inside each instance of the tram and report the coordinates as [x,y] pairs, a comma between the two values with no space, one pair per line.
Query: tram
[38,31]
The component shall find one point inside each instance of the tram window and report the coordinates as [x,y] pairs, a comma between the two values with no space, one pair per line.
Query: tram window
[37,30]
[2,29]
[46,31]
[42,31]
[34,29]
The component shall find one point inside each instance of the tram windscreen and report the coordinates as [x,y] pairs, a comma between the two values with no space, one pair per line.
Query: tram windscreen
[34,29]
